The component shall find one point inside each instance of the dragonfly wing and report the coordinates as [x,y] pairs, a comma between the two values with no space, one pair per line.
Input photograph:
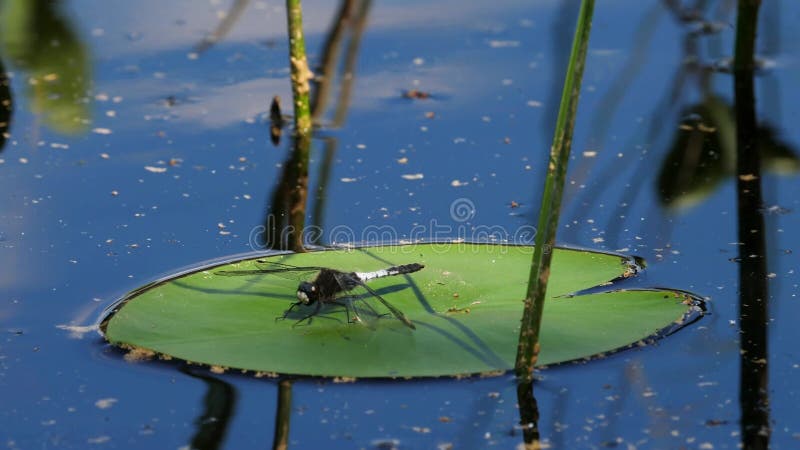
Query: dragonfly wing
[274,268]
[395,312]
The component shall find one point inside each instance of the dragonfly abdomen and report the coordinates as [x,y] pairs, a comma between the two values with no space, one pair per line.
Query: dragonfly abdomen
[390,271]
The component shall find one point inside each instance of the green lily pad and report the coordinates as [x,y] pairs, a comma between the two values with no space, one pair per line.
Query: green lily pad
[466,305]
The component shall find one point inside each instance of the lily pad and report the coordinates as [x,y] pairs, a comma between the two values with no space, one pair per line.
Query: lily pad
[466,305]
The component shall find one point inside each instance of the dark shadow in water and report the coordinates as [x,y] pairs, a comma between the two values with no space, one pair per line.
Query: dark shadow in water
[219,404]
[6,106]
[753,293]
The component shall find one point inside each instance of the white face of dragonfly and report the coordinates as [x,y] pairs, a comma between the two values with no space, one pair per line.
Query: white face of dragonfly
[305,291]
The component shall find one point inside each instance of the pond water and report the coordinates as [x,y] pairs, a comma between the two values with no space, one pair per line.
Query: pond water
[172,165]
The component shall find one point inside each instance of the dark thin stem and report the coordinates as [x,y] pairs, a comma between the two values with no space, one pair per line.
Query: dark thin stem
[283,416]
[300,73]
[528,349]
[753,295]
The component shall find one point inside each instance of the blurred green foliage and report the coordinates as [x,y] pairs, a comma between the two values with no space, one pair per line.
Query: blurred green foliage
[38,39]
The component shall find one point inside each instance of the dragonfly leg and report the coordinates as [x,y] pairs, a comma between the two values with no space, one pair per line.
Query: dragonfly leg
[310,316]
[286,313]
[348,306]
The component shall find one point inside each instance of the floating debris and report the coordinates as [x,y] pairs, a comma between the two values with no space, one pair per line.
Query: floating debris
[416,94]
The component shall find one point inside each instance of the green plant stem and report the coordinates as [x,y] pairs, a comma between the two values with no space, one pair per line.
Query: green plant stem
[528,348]
[300,73]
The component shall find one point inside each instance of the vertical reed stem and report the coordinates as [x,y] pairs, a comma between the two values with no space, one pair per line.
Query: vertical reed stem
[300,73]
[528,348]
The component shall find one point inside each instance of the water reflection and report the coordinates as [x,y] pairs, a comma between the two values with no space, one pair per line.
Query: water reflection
[6,106]
[753,293]
[701,153]
[219,404]
[286,215]
[285,226]
[42,41]
[529,415]
[224,27]
[350,22]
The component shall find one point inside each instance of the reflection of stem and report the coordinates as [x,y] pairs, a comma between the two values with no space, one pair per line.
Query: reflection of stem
[6,106]
[753,389]
[218,403]
[322,186]
[283,416]
[330,54]
[529,415]
[351,57]
[224,26]
[286,220]
[629,71]
[528,348]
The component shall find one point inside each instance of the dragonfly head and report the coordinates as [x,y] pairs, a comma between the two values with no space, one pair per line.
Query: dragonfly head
[306,292]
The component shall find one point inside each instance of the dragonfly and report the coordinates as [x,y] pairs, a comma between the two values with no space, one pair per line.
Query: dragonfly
[323,285]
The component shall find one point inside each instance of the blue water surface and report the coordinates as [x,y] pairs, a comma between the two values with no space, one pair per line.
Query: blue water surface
[176,168]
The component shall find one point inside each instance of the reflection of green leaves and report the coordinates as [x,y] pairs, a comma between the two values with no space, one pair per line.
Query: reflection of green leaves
[777,156]
[466,304]
[40,40]
[703,154]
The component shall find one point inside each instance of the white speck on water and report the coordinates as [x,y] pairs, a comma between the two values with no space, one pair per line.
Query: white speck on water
[503,44]
[98,440]
[413,176]
[105,403]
